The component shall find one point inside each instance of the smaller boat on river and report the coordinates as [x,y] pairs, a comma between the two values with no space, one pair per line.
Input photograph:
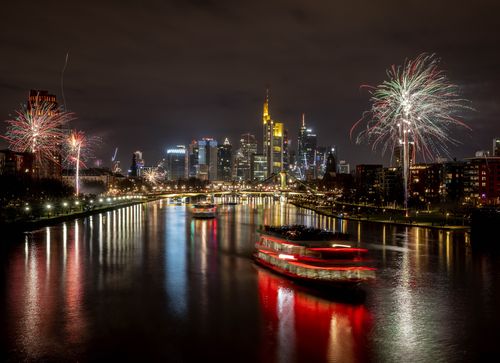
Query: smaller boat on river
[313,255]
[204,210]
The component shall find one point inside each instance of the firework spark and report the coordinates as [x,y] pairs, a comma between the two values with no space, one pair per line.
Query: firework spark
[417,104]
[38,129]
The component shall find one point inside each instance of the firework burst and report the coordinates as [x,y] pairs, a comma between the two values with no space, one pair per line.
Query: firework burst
[418,105]
[418,100]
[153,176]
[38,129]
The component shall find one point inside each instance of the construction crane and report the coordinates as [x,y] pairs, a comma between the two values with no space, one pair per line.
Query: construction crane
[113,158]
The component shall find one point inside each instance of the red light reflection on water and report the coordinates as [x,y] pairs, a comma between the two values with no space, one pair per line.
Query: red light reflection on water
[305,328]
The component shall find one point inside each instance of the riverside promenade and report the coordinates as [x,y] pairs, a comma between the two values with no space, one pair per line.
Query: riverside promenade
[33,223]
[417,219]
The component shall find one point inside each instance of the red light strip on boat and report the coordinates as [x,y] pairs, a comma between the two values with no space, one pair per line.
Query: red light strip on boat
[340,249]
[319,267]
[282,241]
[333,268]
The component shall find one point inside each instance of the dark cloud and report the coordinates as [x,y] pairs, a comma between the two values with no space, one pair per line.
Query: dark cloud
[146,75]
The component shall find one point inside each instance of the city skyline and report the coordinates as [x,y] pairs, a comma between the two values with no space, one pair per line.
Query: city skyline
[134,84]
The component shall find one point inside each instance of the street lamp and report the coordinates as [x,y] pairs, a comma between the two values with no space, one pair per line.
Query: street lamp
[49,207]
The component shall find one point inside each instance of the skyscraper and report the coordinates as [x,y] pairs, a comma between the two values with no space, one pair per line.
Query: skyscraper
[306,151]
[273,140]
[248,147]
[177,163]
[224,161]
[207,159]
[139,161]
[193,159]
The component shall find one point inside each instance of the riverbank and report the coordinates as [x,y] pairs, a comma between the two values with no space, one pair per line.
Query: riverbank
[409,222]
[27,225]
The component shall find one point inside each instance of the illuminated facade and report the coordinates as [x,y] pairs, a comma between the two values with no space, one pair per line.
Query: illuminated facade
[193,156]
[177,163]
[242,167]
[51,169]
[306,152]
[482,180]
[496,146]
[224,161]
[369,180]
[425,182]
[207,159]
[274,144]
[259,167]
[16,163]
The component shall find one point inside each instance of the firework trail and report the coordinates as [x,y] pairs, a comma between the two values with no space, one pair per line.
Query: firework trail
[62,78]
[79,149]
[417,104]
[38,129]
[79,141]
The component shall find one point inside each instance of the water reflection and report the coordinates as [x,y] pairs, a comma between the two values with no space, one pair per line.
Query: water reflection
[301,327]
[176,262]
[150,276]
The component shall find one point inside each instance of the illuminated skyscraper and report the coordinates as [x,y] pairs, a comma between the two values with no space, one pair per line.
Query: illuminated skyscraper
[224,161]
[273,141]
[177,163]
[248,147]
[193,157]
[258,170]
[207,159]
[306,152]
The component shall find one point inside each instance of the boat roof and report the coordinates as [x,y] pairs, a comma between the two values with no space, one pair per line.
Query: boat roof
[204,204]
[300,234]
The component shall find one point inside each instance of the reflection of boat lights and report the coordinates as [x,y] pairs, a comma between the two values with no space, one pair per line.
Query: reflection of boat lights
[286,257]
[340,245]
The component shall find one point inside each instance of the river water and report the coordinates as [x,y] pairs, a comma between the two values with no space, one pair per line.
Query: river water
[149,283]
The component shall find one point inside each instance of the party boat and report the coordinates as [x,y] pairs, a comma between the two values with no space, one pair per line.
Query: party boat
[313,255]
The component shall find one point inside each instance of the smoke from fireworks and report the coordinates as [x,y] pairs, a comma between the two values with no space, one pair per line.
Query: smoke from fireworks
[38,128]
[417,102]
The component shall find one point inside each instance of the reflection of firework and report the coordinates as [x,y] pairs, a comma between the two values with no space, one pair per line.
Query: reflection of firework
[417,100]
[38,129]
[417,104]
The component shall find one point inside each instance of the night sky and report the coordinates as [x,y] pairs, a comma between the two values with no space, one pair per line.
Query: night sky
[145,75]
